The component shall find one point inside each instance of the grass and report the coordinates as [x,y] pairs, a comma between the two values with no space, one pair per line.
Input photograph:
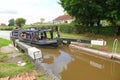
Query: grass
[3,57]
[109,40]
[4,42]
[11,69]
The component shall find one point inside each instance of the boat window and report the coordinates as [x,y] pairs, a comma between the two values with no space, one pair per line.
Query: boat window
[28,35]
[23,34]
[42,36]
[35,36]
[15,33]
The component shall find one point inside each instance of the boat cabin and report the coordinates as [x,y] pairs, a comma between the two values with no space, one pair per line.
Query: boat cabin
[38,37]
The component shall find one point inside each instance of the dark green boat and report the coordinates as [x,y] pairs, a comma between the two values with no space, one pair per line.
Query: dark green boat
[42,38]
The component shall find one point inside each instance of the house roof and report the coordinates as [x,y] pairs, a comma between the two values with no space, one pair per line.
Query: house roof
[63,18]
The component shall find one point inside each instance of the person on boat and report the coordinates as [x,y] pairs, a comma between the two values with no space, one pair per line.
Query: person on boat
[23,35]
[13,37]
[35,37]
[43,37]
[58,35]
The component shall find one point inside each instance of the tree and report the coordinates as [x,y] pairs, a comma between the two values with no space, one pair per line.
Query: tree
[42,20]
[20,22]
[113,11]
[89,12]
[11,22]
[86,12]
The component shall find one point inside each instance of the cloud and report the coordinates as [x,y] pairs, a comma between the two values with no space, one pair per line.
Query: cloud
[8,12]
[31,10]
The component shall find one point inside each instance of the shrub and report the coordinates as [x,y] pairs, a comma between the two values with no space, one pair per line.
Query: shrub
[7,28]
[66,28]
[43,26]
[107,31]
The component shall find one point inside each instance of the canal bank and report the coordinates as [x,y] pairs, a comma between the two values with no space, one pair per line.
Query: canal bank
[113,56]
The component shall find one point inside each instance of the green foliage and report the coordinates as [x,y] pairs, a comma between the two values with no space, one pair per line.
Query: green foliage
[4,42]
[11,22]
[85,11]
[78,29]
[26,26]
[7,28]
[20,22]
[89,12]
[113,11]
[66,28]
[42,20]
[106,31]
[43,26]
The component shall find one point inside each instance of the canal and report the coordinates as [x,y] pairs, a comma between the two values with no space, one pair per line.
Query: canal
[73,64]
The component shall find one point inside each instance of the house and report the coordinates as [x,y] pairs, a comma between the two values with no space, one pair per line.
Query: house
[3,25]
[63,19]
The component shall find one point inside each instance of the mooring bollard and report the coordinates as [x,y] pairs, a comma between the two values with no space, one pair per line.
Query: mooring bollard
[34,53]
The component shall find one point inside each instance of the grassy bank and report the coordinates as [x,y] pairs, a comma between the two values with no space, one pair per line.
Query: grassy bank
[11,69]
[3,57]
[109,40]
[4,42]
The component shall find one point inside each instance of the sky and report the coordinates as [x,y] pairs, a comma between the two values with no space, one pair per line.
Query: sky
[31,10]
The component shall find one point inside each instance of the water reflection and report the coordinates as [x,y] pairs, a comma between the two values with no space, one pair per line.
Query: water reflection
[56,64]
[73,64]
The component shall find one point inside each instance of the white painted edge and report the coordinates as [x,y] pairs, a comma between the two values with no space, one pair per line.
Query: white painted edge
[97,52]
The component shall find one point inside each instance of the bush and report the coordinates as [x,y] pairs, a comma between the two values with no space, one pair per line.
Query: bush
[66,28]
[106,31]
[43,26]
[7,28]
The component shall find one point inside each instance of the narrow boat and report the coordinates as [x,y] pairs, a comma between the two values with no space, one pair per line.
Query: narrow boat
[14,34]
[42,38]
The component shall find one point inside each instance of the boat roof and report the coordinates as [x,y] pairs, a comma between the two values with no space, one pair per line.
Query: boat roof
[41,30]
[28,30]
[45,30]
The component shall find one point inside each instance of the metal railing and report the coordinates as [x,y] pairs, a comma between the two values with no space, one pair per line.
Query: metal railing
[115,45]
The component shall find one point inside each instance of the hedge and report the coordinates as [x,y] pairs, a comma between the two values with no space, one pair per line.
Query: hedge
[7,28]
[106,31]
[43,26]
[78,29]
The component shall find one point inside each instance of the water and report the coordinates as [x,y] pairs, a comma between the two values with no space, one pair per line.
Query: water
[72,64]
